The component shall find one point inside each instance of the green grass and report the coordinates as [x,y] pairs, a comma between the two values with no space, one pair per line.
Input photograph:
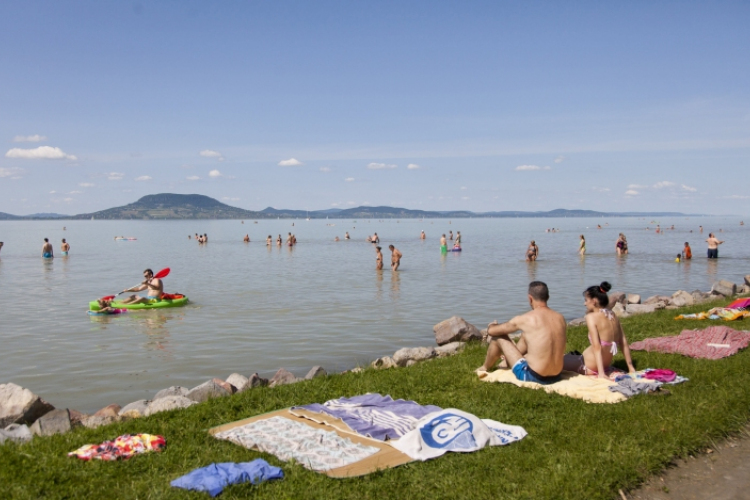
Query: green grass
[574,449]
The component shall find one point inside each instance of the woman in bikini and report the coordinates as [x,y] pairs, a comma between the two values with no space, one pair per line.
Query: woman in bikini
[378,259]
[622,245]
[605,335]
[582,246]
[532,252]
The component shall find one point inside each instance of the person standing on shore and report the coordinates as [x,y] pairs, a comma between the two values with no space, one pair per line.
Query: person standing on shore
[378,259]
[395,257]
[532,252]
[65,247]
[47,252]
[713,246]
[687,253]
[582,247]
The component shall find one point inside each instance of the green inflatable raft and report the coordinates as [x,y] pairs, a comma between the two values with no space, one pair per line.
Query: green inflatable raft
[169,301]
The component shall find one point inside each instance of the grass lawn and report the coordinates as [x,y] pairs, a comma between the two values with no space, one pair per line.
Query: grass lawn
[574,450]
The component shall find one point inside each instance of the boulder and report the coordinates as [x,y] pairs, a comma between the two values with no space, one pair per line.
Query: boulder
[619,310]
[581,321]
[226,385]
[316,371]
[358,369]
[76,418]
[109,411]
[700,297]
[18,433]
[413,353]
[53,422]
[455,329]
[747,280]
[671,307]
[641,308]
[617,298]
[136,409]
[655,299]
[682,299]
[256,380]
[410,362]
[634,298]
[20,406]
[238,381]
[95,421]
[743,289]
[282,377]
[207,390]
[449,349]
[725,288]
[168,403]
[384,362]
[175,390]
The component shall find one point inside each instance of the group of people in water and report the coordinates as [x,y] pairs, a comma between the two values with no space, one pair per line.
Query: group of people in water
[200,238]
[47,250]
[539,354]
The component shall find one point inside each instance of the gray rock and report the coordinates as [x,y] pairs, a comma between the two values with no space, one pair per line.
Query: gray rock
[136,409]
[18,433]
[700,297]
[619,310]
[449,349]
[316,371]
[634,298]
[384,363]
[20,406]
[53,422]
[617,298]
[410,362]
[175,390]
[454,329]
[282,377]
[358,369]
[682,299]
[109,411]
[239,382]
[76,417]
[641,308]
[207,390]
[168,403]
[747,280]
[256,380]
[581,321]
[671,307]
[743,289]
[655,299]
[95,421]
[413,353]
[725,288]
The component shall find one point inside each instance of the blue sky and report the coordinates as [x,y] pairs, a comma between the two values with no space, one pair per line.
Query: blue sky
[429,105]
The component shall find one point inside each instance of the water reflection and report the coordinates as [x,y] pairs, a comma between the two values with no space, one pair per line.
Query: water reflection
[395,285]
[531,268]
[378,284]
[152,324]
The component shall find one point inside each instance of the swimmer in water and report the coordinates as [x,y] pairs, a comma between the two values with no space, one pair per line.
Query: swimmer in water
[582,247]
[336,238]
[378,258]
[278,241]
[422,236]
[47,252]
[65,247]
[269,240]
[532,252]
[450,235]
[443,244]
[346,235]
[246,239]
[395,257]
[458,238]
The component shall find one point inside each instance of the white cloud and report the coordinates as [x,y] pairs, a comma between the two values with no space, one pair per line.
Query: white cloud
[560,159]
[663,184]
[413,166]
[526,168]
[349,179]
[210,153]
[68,200]
[291,162]
[12,172]
[631,192]
[40,153]
[143,178]
[214,173]
[325,169]
[193,178]
[601,190]
[52,192]
[350,203]
[464,188]
[381,166]
[689,188]
[636,186]
[86,184]
[29,138]
[465,198]
[115,176]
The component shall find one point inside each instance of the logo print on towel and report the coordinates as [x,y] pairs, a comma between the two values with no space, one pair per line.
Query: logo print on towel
[441,431]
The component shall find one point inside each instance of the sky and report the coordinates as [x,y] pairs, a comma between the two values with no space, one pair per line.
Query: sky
[482,106]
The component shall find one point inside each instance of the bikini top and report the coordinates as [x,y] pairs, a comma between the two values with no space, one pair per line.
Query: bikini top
[612,345]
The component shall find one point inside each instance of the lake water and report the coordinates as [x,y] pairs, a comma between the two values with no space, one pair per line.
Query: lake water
[255,308]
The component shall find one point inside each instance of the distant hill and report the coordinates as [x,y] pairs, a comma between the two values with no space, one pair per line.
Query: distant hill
[198,206]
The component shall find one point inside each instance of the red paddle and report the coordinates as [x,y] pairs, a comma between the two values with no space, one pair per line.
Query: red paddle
[161,274]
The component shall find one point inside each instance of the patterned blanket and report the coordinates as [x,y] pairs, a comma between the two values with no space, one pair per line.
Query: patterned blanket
[124,447]
[715,342]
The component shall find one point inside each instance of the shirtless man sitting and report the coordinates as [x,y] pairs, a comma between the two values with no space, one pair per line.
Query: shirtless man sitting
[155,288]
[538,355]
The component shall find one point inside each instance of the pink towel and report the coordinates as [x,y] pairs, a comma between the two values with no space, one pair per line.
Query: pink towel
[715,342]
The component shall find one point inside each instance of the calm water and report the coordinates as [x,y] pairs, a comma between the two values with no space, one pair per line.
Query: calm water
[255,308]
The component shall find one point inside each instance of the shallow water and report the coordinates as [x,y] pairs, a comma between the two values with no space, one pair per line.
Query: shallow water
[255,308]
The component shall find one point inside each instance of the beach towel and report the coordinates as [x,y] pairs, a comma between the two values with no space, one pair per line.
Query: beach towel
[714,342]
[739,304]
[574,385]
[286,439]
[215,477]
[455,430]
[373,415]
[125,446]
[723,313]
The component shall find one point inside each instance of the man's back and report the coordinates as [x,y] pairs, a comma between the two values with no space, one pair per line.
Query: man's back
[544,334]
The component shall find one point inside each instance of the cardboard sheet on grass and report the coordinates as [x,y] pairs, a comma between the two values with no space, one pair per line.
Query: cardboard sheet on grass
[574,385]
[385,457]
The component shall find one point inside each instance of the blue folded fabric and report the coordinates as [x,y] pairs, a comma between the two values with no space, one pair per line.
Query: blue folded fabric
[215,477]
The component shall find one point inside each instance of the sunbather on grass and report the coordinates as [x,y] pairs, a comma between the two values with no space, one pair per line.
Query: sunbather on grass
[538,355]
[605,335]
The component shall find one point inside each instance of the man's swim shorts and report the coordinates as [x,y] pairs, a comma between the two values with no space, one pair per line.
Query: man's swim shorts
[524,373]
